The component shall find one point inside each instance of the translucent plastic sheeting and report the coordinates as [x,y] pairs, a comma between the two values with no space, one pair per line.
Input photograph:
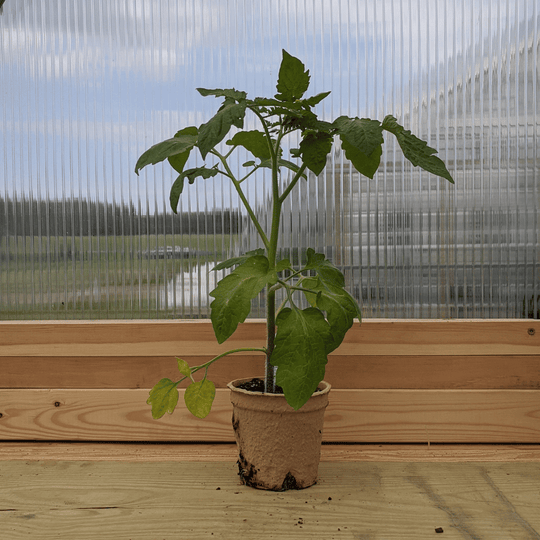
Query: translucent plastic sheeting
[86,87]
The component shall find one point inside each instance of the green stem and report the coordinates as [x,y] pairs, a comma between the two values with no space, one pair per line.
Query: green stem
[245,202]
[289,188]
[270,383]
[210,362]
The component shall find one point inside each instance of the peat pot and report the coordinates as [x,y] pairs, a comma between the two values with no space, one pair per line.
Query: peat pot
[278,448]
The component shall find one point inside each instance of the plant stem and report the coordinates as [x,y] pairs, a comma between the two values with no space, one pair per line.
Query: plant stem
[245,202]
[269,380]
[270,383]
[297,176]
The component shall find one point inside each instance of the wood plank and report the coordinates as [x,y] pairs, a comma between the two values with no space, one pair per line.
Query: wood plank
[152,452]
[406,416]
[373,337]
[394,501]
[342,371]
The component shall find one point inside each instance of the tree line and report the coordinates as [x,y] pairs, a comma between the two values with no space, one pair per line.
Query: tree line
[26,217]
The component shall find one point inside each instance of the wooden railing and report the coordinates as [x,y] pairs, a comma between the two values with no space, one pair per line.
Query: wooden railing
[394,381]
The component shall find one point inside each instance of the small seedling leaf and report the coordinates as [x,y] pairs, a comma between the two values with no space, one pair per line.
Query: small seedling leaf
[183,367]
[163,398]
[199,397]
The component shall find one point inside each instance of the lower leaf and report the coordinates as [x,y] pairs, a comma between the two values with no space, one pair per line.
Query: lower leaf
[163,398]
[199,397]
[300,353]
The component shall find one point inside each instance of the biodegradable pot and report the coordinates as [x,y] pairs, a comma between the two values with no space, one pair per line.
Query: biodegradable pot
[279,448]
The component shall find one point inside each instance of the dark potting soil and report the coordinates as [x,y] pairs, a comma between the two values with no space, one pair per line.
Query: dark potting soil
[257,385]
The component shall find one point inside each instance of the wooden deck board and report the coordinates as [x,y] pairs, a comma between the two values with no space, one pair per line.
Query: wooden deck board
[191,501]
[368,416]
[152,452]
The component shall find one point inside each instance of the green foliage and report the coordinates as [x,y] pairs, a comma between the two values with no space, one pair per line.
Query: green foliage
[293,79]
[215,130]
[163,150]
[234,293]
[253,141]
[300,352]
[305,337]
[163,398]
[191,175]
[199,397]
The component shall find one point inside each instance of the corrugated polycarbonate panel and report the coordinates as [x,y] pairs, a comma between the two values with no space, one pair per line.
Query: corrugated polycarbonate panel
[86,87]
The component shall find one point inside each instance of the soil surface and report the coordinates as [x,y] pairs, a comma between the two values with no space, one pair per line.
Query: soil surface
[257,385]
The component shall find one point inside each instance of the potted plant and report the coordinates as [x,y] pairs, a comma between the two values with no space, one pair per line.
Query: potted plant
[298,340]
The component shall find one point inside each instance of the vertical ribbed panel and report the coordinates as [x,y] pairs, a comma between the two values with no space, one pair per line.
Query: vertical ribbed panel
[88,86]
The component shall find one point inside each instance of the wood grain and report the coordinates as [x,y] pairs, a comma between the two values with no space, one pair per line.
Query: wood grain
[340,453]
[367,501]
[373,337]
[451,416]
[342,371]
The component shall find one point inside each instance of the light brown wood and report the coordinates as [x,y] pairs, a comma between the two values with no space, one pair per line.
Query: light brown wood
[342,371]
[97,367]
[353,501]
[374,337]
[451,416]
[151,452]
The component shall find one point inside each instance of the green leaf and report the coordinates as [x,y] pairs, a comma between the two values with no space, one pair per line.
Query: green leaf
[214,131]
[165,149]
[163,398]
[282,163]
[300,353]
[362,133]
[324,268]
[191,175]
[271,102]
[314,148]
[178,161]
[230,93]
[183,367]
[312,101]
[234,293]
[199,397]
[416,150]
[361,140]
[366,165]
[293,78]
[341,308]
[284,264]
[253,141]
[238,260]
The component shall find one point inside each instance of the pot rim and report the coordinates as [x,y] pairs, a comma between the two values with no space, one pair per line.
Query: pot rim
[233,387]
